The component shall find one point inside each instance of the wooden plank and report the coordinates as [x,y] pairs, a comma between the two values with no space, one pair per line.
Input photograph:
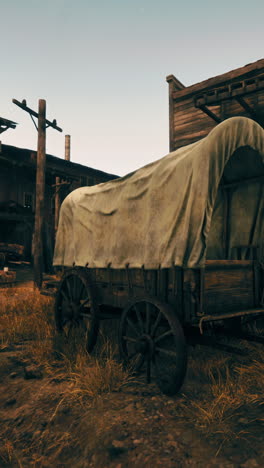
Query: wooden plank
[119,278]
[201,125]
[183,106]
[185,142]
[188,117]
[223,264]
[228,285]
[171,115]
[229,288]
[236,300]
[240,313]
[228,279]
[192,137]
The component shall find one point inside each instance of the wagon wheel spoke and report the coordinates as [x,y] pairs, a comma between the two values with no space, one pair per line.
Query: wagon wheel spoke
[148,311]
[139,317]
[164,335]
[65,296]
[156,323]
[133,355]
[78,289]
[73,288]
[132,326]
[167,352]
[87,316]
[148,374]
[69,289]
[68,329]
[129,338]
[65,321]
[83,302]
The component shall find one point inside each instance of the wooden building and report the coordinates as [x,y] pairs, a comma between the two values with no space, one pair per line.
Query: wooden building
[17,194]
[197,109]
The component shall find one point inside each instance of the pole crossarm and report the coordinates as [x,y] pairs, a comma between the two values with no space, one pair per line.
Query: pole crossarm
[23,105]
[5,124]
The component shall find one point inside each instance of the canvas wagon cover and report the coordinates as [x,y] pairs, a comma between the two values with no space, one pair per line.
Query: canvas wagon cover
[160,215]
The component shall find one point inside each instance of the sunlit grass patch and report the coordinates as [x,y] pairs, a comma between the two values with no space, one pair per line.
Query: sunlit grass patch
[230,389]
[25,315]
[91,377]
[28,318]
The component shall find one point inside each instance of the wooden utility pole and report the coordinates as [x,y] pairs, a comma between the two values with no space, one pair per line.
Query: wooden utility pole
[60,182]
[40,194]
[43,123]
[57,203]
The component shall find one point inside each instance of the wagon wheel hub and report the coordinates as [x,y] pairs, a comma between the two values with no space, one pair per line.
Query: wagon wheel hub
[145,345]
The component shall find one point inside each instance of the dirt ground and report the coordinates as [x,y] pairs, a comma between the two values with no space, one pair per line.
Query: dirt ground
[135,426]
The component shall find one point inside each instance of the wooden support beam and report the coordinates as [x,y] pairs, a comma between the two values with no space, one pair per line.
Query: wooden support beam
[209,112]
[247,107]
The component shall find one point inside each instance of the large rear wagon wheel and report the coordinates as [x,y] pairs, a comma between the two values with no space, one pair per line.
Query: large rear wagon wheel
[75,306]
[151,338]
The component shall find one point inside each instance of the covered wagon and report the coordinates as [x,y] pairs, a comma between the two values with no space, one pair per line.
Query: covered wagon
[167,249]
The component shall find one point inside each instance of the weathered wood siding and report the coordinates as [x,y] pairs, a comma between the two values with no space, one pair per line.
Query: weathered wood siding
[189,123]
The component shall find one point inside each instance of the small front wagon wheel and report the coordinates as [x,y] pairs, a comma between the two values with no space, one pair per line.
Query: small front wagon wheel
[151,338]
[75,306]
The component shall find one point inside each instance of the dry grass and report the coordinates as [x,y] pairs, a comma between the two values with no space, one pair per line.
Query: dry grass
[91,377]
[27,317]
[229,388]
[27,320]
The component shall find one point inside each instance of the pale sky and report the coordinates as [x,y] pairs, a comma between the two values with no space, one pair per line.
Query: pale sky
[102,67]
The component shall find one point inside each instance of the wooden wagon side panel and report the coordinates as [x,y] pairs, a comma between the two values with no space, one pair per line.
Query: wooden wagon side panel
[114,287]
[228,286]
